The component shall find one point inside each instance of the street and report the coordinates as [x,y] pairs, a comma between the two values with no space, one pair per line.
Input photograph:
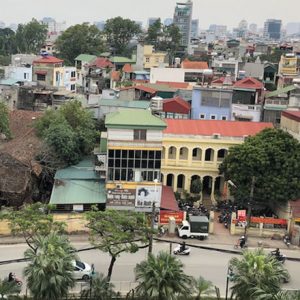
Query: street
[211,265]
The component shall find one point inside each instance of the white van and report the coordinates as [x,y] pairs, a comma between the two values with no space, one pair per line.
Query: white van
[82,271]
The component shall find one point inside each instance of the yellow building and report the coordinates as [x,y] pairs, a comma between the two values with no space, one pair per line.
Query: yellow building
[195,148]
[151,58]
[288,65]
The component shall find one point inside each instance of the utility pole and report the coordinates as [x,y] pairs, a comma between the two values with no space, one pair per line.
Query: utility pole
[250,205]
[152,228]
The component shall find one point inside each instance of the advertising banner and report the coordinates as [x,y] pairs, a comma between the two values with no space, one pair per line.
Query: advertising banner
[146,195]
[241,215]
[269,221]
[165,215]
[120,197]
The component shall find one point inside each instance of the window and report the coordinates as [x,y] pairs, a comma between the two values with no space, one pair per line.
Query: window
[202,116]
[224,118]
[41,77]
[140,134]
[147,59]
[26,75]
[73,74]
[72,87]
[213,117]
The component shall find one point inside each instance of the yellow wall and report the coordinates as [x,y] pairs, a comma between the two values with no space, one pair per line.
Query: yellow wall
[288,65]
[290,125]
[153,59]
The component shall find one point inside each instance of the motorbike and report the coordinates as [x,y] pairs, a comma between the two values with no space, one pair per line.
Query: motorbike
[287,240]
[281,258]
[13,278]
[177,250]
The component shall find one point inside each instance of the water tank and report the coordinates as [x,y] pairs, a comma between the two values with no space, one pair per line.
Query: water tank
[157,103]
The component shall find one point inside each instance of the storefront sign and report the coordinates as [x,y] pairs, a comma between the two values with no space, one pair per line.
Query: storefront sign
[146,195]
[165,215]
[268,221]
[120,197]
[241,215]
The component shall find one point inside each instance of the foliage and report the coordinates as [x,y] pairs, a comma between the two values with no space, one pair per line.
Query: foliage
[202,287]
[69,131]
[273,157]
[162,278]
[256,271]
[4,120]
[115,232]
[32,221]
[282,295]
[273,57]
[7,42]
[30,37]
[8,288]
[100,288]
[79,39]
[154,33]
[4,61]
[196,186]
[49,273]
[119,33]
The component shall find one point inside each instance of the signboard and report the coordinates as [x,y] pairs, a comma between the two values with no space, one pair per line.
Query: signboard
[146,195]
[165,215]
[120,197]
[268,221]
[241,215]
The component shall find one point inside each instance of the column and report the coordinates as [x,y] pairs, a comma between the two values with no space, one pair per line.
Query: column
[190,156]
[187,183]
[212,195]
[175,182]
[166,157]
[165,179]
[177,155]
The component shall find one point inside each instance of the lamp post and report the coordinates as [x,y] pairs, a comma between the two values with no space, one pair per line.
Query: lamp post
[228,278]
[153,217]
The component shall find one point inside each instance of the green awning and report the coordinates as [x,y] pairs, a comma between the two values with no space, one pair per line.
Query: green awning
[281,91]
[78,192]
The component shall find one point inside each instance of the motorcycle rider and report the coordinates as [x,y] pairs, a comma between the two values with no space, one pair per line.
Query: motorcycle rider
[242,241]
[182,247]
[276,253]
[11,277]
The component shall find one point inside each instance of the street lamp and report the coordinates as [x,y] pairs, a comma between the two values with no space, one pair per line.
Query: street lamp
[153,216]
[229,277]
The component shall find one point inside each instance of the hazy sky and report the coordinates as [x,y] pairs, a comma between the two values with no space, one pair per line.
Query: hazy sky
[227,12]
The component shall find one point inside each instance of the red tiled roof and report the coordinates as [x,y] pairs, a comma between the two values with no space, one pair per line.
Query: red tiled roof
[179,85]
[127,68]
[101,62]
[48,60]
[176,105]
[41,72]
[218,80]
[115,75]
[210,127]
[145,89]
[168,200]
[249,83]
[187,64]
[292,114]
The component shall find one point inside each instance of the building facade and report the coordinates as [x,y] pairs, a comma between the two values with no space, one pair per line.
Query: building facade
[272,29]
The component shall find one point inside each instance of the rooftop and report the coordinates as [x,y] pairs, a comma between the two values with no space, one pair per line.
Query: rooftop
[181,107]
[86,58]
[134,118]
[101,62]
[127,68]
[210,127]
[126,103]
[280,91]
[187,64]
[292,114]
[48,60]
[249,83]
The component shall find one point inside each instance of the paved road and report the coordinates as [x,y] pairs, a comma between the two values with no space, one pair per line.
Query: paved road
[210,264]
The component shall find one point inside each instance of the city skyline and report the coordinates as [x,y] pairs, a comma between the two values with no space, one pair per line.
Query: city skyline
[220,12]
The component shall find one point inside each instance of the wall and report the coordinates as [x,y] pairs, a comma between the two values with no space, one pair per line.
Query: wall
[9,95]
[166,74]
[291,126]
[252,112]
[19,73]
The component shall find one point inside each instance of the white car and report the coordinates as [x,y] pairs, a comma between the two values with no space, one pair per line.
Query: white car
[82,270]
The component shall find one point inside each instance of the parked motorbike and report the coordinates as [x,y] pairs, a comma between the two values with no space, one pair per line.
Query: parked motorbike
[287,240]
[177,250]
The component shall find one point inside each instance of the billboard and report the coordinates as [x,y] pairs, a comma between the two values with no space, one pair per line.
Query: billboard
[120,197]
[146,195]
[165,215]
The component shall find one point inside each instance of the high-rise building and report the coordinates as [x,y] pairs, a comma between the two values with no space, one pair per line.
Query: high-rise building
[151,21]
[53,26]
[272,29]
[195,29]
[183,19]
[168,21]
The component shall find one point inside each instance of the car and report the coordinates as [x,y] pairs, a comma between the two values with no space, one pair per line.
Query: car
[82,270]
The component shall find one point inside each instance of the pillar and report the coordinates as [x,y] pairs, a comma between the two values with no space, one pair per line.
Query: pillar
[177,155]
[175,182]
[190,157]
[212,195]
[165,179]
[187,183]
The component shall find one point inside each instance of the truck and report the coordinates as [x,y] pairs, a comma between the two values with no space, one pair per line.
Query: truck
[196,227]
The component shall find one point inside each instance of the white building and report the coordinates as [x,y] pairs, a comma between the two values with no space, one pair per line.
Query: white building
[21,73]
[70,79]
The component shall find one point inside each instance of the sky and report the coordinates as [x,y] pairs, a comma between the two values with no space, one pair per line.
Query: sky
[225,12]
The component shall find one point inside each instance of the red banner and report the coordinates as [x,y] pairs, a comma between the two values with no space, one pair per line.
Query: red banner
[268,220]
[165,215]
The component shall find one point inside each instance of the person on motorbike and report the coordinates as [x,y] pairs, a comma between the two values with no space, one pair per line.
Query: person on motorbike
[276,253]
[11,277]
[242,241]
[182,247]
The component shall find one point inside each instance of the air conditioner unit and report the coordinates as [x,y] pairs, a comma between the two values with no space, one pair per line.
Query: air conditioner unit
[119,186]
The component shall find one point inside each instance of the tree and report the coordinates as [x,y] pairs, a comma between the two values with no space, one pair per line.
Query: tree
[162,278]
[7,42]
[49,273]
[78,39]
[70,132]
[196,186]
[119,33]
[282,295]
[115,232]
[154,33]
[202,287]
[100,288]
[32,221]
[31,37]
[273,157]
[8,288]
[273,57]
[256,271]
[4,121]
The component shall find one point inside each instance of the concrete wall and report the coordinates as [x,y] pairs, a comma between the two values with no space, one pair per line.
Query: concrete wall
[167,74]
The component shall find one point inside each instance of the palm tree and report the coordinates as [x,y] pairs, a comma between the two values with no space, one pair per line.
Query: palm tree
[202,287]
[282,295]
[100,288]
[162,278]
[8,288]
[254,272]
[49,273]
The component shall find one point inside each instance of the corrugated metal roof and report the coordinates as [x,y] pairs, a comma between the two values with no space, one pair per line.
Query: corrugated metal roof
[86,57]
[123,59]
[78,192]
[281,91]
